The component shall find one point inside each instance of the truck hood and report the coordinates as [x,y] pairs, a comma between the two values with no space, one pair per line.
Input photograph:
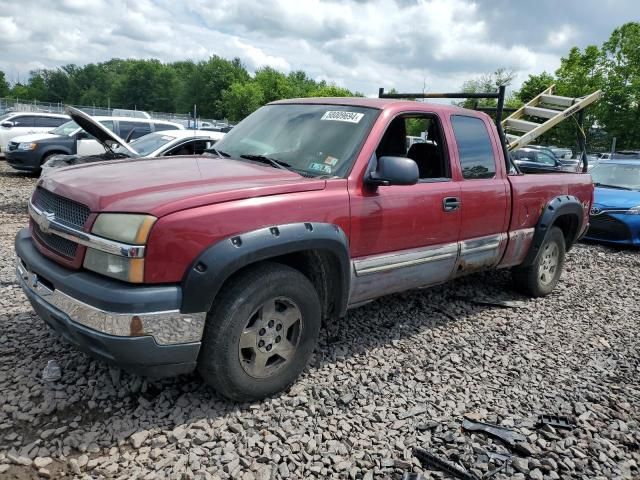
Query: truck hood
[613,198]
[102,134]
[34,137]
[160,186]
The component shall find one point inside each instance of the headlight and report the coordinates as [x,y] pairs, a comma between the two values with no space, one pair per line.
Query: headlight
[633,211]
[125,228]
[122,268]
[27,146]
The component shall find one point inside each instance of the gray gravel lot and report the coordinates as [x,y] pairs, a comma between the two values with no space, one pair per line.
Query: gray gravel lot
[397,373]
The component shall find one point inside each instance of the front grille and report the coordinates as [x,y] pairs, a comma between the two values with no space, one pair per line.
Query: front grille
[57,244]
[67,211]
[12,146]
[606,227]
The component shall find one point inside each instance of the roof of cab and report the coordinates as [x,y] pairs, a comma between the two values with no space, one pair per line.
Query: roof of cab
[378,103]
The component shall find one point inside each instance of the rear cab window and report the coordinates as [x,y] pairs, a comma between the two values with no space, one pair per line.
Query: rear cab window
[475,149]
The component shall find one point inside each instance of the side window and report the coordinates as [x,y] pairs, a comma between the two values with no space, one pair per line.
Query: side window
[164,126]
[430,154]
[23,121]
[474,147]
[135,129]
[108,124]
[546,159]
[49,122]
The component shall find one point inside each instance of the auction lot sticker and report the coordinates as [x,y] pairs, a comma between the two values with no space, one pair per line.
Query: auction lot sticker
[341,116]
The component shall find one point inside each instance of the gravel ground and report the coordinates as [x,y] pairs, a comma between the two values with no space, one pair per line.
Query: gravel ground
[398,373]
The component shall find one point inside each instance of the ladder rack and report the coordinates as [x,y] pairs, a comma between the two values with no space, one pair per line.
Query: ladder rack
[521,128]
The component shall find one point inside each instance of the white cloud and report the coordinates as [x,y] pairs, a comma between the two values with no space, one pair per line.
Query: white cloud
[361,45]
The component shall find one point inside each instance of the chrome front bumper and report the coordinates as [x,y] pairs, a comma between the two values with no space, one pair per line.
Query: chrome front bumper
[166,327]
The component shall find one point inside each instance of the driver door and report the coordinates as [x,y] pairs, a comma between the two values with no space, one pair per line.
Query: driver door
[404,237]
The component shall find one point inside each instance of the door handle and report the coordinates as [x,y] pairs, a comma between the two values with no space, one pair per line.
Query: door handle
[450,203]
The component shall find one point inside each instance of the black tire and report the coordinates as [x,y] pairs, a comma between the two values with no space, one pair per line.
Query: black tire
[538,279]
[243,300]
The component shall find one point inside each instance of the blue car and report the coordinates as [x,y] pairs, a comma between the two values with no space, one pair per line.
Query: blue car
[615,214]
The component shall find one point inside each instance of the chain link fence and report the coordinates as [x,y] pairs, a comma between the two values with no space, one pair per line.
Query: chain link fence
[17,105]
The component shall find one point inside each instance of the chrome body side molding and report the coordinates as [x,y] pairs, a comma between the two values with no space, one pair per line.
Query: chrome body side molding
[380,275]
[480,253]
[384,274]
[518,247]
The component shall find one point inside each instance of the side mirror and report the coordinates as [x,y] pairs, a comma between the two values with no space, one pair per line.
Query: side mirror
[7,124]
[394,171]
[81,135]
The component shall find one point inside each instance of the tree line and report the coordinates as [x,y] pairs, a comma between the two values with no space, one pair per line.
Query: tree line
[224,88]
[219,87]
[613,67]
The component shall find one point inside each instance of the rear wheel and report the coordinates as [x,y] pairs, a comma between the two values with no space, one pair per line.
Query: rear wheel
[260,332]
[541,277]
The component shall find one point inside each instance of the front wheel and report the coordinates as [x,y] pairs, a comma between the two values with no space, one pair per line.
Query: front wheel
[260,332]
[541,277]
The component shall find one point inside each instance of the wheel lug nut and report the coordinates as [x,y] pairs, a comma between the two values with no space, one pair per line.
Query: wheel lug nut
[278,338]
[271,323]
[269,347]
[262,332]
[261,344]
[279,327]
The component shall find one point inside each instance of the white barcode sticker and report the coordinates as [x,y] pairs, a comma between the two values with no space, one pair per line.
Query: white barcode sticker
[342,116]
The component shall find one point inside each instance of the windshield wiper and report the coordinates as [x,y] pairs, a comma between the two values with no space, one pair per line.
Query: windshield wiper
[597,184]
[220,153]
[268,160]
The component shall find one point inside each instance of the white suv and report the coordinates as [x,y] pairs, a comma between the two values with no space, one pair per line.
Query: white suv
[15,124]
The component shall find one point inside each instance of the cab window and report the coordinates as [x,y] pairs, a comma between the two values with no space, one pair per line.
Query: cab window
[475,149]
[418,137]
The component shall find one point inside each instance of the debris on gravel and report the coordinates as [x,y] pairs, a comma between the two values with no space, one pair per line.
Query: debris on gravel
[399,373]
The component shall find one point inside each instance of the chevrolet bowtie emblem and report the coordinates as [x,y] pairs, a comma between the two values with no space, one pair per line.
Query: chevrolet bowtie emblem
[44,221]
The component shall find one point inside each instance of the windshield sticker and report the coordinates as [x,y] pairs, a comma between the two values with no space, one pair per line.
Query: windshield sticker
[331,160]
[340,116]
[321,167]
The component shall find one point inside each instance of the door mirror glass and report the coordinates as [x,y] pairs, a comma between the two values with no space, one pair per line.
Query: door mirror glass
[81,135]
[7,124]
[394,171]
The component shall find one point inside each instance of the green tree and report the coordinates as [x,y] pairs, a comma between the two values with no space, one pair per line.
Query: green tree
[4,85]
[323,89]
[619,112]
[240,99]
[275,85]
[534,85]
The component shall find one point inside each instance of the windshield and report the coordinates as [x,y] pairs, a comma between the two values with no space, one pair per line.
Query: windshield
[617,175]
[147,144]
[67,128]
[5,116]
[319,140]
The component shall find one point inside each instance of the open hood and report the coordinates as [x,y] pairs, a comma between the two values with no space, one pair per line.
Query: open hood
[101,133]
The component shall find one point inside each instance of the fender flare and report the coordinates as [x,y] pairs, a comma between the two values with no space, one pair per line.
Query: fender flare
[206,275]
[557,207]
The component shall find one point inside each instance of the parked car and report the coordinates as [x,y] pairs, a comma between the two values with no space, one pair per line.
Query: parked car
[563,155]
[157,144]
[30,152]
[538,160]
[15,124]
[621,155]
[229,263]
[615,214]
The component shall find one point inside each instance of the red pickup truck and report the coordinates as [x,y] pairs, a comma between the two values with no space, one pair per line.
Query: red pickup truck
[229,262]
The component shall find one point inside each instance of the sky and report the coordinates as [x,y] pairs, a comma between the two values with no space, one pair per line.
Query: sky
[361,45]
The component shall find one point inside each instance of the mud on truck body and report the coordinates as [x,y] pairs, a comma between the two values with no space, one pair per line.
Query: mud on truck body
[228,263]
